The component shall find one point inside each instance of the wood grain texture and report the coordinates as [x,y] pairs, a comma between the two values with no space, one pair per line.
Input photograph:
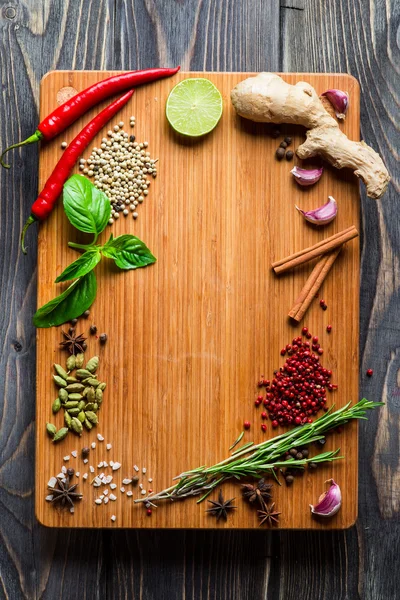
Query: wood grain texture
[186,346]
[343,35]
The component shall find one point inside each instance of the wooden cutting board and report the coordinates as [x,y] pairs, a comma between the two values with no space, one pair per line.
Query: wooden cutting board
[189,337]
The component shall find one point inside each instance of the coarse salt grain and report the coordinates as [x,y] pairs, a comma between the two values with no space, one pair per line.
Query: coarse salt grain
[60,474]
[129,493]
[100,437]
[113,518]
[136,468]
[122,489]
[105,492]
[126,481]
[106,499]
[52,481]
[93,445]
[108,479]
[91,469]
[100,465]
[143,492]
[77,474]
[141,485]
[101,497]
[112,497]
[111,463]
[74,453]
[49,498]
[144,470]
[109,446]
[105,464]
[64,469]
[85,461]
[113,486]
[98,501]
[150,479]
[85,476]
[116,466]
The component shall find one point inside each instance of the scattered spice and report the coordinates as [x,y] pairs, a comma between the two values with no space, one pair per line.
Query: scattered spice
[268,515]
[221,507]
[64,495]
[329,328]
[93,329]
[280,153]
[259,491]
[289,155]
[103,338]
[73,343]
[370,372]
[86,314]
[246,425]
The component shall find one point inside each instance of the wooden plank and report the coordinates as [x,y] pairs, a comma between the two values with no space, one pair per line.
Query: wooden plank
[209,271]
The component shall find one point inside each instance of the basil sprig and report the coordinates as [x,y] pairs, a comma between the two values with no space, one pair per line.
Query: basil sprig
[88,210]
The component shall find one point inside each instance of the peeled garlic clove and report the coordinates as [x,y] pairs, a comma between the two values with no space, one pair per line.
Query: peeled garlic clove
[306,177]
[329,502]
[322,215]
[339,101]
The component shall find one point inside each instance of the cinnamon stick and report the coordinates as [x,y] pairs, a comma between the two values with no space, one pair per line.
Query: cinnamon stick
[313,284]
[327,245]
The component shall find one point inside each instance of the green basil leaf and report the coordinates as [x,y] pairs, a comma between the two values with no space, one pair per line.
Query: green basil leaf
[87,208]
[128,252]
[82,265]
[77,298]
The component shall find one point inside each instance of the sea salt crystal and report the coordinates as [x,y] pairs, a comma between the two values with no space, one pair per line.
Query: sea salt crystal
[113,518]
[74,453]
[141,485]
[91,469]
[98,501]
[109,446]
[52,482]
[100,465]
[144,492]
[64,480]
[93,445]
[129,493]
[108,479]
[66,458]
[105,492]
[64,469]
[144,470]
[122,489]
[126,481]
[112,497]
[96,481]
[77,474]
[101,497]
[105,464]
[150,479]
[60,475]
[106,499]
[136,468]
[100,437]
[113,486]
[116,466]
[85,461]
[49,498]
[72,510]
[85,476]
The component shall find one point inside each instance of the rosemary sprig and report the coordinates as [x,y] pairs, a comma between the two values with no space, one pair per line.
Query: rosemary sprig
[257,460]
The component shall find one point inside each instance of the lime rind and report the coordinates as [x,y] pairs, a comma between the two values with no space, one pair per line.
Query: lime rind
[194,107]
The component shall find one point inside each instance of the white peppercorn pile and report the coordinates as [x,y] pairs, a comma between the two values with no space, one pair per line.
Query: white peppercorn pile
[121,168]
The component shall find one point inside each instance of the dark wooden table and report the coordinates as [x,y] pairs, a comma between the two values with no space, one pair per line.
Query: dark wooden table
[360,37]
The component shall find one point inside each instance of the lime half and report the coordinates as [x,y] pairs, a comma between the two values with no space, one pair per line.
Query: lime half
[194,107]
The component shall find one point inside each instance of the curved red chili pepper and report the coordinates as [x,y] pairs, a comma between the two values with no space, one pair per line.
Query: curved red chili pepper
[72,109]
[46,200]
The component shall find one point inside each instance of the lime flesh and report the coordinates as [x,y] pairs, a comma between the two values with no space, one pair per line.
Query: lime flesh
[194,107]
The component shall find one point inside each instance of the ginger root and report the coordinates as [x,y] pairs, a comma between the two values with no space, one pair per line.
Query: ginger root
[266,98]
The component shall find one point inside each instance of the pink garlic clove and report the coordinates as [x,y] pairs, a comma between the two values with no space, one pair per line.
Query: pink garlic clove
[306,177]
[322,215]
[339,101]
[329,502]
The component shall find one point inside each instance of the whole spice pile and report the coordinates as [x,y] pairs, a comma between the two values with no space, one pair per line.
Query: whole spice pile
[80,395]
[298,390]
[120,168]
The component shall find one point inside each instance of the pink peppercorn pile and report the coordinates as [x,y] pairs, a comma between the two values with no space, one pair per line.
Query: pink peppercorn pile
[298,390]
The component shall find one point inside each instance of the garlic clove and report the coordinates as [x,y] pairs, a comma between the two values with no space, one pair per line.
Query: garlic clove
[322,215]
[306,177]
[339,101]
[329,502]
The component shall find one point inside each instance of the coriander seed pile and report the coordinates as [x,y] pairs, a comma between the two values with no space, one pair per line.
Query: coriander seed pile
[121,168]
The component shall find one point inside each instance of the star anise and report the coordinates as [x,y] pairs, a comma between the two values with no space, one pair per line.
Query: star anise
[259,491]
[268,515]
[64,495]
[221,507]
[73,343]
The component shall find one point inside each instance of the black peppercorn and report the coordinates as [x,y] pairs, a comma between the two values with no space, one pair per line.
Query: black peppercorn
[299,456]
[132,138]
[283,145]
[276,132]
[289,155]
[304,453]
[84,346]
[86,314]
[73,322]
[135,479]
[280,153]
[289,479]
[312,465]
[103,338]
[293,451]
[93,329]
[70,472]
[288,140]
[85,452]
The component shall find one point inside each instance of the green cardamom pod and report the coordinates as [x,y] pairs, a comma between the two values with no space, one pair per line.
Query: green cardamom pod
[91,381]
[99,395]
[76,425]
[56,405]
[81,416]
[63,394]
[95,407]
[75,387]
[92,364]
[102,386]
[90,394]
[74,412]
[71,404]
[51,429]
[76,396]
[89,406]
[92,417]
[67,419]
[60,371]
[59,381]
[61,434]
[71,379]
[84,393]
[79,360]
[71,360]
[81,405]
[87,424]
[83,374]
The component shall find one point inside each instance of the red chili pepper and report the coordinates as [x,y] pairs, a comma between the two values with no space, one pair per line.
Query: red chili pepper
[46,200]
[76,106]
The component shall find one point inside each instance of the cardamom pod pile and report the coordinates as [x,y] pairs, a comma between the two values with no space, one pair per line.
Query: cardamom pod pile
[79,394]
